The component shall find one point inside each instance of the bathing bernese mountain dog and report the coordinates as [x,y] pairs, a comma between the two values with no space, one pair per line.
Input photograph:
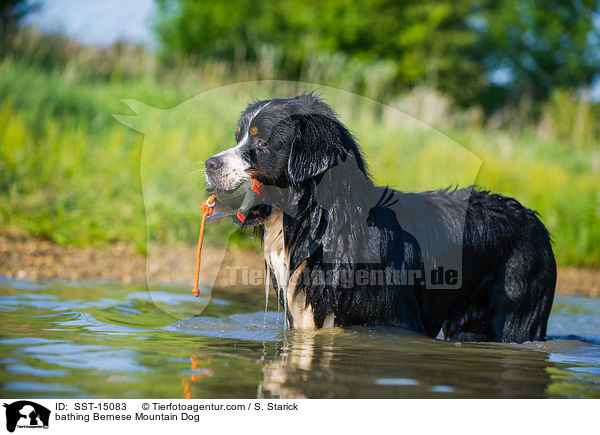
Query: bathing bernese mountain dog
[341,251]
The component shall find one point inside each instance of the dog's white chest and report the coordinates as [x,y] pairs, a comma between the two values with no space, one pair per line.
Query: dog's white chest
[274,251]
[277,260]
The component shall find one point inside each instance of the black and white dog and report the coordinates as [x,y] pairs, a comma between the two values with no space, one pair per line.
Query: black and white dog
[342,251]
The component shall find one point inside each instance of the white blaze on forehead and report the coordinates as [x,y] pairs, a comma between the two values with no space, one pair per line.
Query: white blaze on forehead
[234,166]
[252,116]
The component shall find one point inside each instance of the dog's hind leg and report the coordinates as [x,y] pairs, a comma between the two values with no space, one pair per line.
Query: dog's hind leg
[521,299]
[469,325]
[467,320]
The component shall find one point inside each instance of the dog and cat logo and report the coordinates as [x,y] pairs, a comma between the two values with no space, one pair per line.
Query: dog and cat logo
[26,414]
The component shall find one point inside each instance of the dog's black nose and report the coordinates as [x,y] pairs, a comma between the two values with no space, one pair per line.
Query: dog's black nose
[213,163]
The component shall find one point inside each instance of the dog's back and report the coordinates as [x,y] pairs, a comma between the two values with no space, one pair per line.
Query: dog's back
[507,269]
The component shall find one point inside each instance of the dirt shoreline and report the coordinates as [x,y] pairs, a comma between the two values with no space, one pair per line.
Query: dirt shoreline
[29,258]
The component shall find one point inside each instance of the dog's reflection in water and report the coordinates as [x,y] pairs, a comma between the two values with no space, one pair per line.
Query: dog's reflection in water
[390,363]
[295,365]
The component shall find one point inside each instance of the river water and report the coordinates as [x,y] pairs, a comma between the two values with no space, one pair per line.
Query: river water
[64,339]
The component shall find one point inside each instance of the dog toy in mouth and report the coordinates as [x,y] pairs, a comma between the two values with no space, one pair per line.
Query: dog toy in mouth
[243,198]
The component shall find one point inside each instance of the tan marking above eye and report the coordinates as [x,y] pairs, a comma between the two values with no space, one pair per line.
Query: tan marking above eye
[253,131]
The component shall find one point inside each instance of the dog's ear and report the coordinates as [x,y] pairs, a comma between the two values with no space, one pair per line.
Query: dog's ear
[316,147]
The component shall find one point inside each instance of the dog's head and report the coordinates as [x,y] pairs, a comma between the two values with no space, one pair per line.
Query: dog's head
[283,143]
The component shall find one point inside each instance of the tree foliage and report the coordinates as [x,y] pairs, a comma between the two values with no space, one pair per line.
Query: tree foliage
[11,14]
[459,46]
[542,45]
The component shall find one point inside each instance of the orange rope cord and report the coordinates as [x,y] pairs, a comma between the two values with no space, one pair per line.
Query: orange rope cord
[207,210]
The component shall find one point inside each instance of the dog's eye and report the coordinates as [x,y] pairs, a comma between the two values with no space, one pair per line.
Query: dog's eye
[262,144]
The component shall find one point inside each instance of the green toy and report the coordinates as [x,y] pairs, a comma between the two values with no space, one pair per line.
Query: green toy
[243,198]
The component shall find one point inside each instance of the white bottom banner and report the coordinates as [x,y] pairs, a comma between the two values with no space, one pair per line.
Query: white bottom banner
[90,416]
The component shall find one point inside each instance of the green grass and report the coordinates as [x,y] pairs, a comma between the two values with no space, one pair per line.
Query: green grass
[71,172]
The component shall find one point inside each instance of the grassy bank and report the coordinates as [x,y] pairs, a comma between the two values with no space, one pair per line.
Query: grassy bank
[72,173]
